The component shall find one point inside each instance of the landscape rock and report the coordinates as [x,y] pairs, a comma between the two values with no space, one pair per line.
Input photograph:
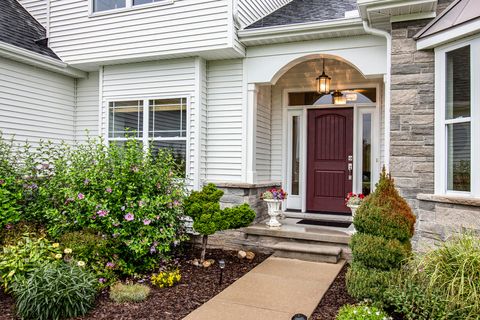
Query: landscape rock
[206,264]
[250,255]
[241,254]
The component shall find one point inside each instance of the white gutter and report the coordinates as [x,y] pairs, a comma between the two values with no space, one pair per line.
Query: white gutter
[388,90]
[299,29]
[38,60]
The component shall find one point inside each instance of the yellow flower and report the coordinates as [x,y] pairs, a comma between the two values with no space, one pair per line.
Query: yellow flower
[81,264]
[67,251]
[56,245]
[58,256]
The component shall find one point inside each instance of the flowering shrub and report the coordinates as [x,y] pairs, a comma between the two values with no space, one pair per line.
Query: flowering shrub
[354,199]
[361,312]
[129,197]
[166,278]
[274,194]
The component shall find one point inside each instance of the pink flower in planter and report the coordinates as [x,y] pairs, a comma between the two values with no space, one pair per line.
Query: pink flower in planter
[81,196]
[102,213]
[129,216]
[146,222]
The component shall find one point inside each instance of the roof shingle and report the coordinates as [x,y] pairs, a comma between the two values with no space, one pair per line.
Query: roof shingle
[19,28]
[301,11]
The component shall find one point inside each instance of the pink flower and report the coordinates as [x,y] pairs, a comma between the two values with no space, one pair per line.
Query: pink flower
[110,265]
[146,222]
[2,181]
[129,216]
[102,213]
[81,196]
[102,280]
[109,190]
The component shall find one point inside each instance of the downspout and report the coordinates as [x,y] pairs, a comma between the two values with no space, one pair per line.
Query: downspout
[387,81]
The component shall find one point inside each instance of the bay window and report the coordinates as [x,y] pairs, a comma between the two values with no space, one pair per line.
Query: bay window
[457,121]
[157,123]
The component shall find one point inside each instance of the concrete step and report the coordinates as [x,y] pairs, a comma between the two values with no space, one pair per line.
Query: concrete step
[318,216]
[307,252]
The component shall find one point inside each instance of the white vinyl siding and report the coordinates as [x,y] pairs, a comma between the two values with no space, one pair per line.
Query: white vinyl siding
[250,11]
[35,104]
[263,145]
[37,8]
[155,80]
[224,120]
[86,112]
[178,28]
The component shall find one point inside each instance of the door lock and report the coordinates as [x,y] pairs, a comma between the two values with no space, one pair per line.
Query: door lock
[350,158]
[350,169]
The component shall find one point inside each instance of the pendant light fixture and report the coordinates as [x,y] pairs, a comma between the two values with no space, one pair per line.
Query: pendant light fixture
[323,82]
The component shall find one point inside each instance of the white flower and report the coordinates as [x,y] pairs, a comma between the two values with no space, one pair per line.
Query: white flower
[377,313]
[81,264]
[67,250]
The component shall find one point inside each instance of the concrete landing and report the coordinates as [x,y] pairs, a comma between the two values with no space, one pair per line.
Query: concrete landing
[276,289]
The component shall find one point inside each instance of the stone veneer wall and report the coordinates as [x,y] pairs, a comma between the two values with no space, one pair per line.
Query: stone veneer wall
[412,138]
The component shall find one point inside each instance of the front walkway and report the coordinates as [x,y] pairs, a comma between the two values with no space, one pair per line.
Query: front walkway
[276,289]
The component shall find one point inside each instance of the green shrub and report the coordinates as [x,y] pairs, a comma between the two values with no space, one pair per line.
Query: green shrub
[121,293]
[99,253]
[204,208]
[367,283]
[55,291]
[392,255]
[384,223]
[441,284]
[361,312]
[20,259]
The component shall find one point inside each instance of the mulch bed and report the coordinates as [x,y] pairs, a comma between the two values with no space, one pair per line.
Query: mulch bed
[198,285]
[334,299]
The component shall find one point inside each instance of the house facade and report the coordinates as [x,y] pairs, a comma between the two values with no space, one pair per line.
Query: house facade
[315,96]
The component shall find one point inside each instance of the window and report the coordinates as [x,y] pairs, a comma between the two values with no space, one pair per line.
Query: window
[457,120]
[105,5]
[158,123]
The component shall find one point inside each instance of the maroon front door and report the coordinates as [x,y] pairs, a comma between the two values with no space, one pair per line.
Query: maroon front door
[330,151]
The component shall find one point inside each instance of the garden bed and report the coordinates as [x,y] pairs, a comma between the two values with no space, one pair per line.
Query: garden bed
[335,297]
[198,285]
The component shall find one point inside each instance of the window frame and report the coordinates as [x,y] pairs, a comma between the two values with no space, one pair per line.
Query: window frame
[128,7]
[144,137]
[441,122]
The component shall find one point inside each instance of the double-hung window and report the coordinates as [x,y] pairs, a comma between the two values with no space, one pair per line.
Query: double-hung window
[105,5]
[457,120]
[157,123]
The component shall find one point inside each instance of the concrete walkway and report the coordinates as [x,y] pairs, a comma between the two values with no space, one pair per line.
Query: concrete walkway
[276,289]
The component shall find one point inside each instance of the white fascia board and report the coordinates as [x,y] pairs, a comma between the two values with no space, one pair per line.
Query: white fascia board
[367,6]
[449,35]
[299,29]
[38,60]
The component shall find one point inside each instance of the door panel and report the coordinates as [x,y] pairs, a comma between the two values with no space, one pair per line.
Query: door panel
[330,143]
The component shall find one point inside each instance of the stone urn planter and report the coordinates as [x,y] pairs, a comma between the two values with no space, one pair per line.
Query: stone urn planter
[353,208]
[274,210]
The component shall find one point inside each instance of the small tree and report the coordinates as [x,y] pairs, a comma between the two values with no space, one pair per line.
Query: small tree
[385,225]
[204,208]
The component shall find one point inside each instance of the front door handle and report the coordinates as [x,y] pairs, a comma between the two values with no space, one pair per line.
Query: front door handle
[350,169]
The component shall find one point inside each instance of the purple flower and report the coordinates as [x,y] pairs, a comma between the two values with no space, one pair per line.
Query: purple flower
[146,222]
[141,203]
[122,208]
[81,196]
[69,200]
[102,213]
[129,216]
[110,265]
[8,226]
[102,280]
[176,203]
[153,249]
[2,181]
[109,190]
[86,181]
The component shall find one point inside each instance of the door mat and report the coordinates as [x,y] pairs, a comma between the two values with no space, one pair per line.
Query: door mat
[325,223]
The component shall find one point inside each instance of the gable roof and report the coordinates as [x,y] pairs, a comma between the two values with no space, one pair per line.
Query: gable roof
[19,28]
[301,11]
[459,12]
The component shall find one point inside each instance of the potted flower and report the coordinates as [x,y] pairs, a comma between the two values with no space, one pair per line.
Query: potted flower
[353,201]
[274,198]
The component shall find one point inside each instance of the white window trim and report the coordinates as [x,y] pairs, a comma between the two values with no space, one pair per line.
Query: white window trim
[441,160]
[128,7]
[145,137]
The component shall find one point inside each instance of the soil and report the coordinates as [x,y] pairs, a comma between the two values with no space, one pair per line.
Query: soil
[198,285]
[335,297]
